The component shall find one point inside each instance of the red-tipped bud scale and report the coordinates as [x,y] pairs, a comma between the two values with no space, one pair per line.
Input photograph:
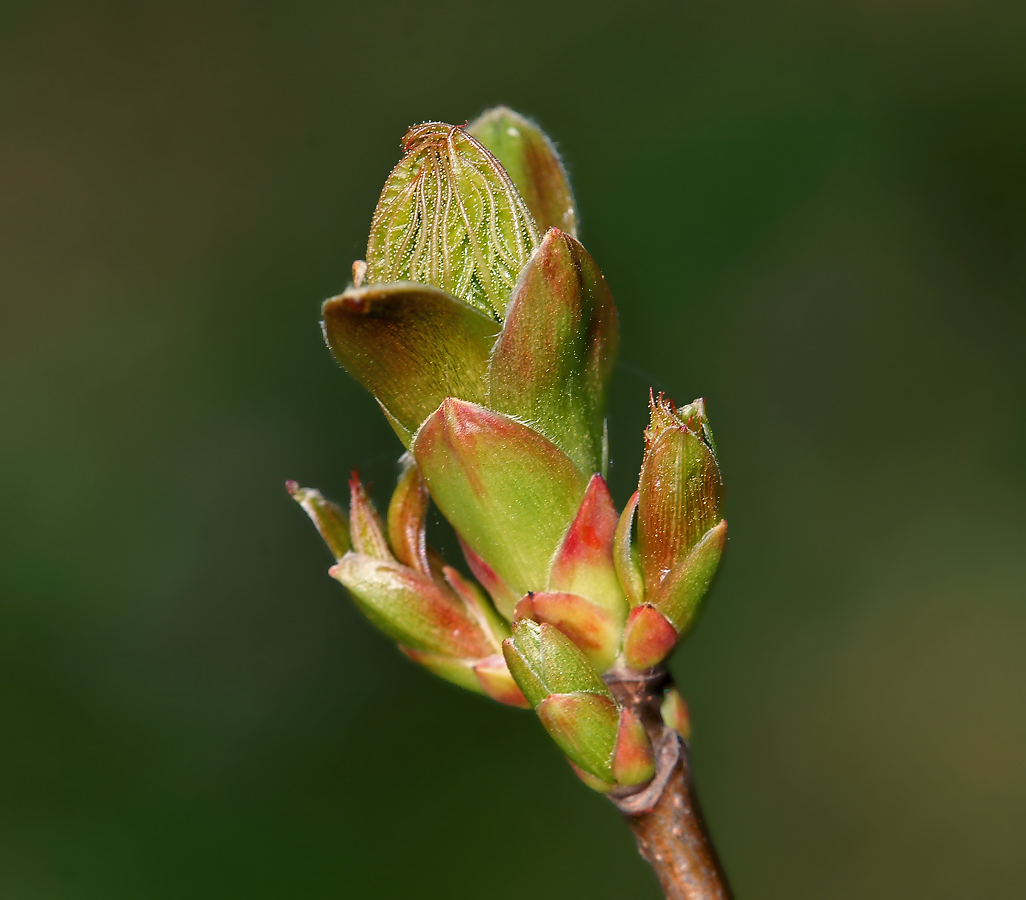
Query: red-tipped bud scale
[328,518]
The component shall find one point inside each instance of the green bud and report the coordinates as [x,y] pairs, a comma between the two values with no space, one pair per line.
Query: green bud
[584,726]
[682,590]
[680,534]
[674,712]
[508,491]
[526,152]
[450,216]
[552,363]
[327,517]
[544,661]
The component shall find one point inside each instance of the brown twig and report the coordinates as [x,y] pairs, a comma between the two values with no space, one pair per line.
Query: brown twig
[664,814]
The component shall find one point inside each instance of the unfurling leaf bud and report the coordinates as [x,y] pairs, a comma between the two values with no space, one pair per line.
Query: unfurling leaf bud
[526,152]
[450,216]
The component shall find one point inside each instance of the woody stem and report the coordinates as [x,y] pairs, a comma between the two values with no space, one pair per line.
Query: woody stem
[664,815]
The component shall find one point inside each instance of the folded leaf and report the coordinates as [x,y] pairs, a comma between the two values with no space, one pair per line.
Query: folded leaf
[526,152]
[510,493]
[450,216]
[411,346]
[552,363]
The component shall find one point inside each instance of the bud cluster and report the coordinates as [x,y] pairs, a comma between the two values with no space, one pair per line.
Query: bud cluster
[487,334]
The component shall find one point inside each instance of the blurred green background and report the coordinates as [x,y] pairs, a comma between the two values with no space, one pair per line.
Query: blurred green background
[812,214]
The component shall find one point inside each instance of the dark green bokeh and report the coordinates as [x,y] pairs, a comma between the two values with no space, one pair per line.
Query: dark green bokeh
[812,214]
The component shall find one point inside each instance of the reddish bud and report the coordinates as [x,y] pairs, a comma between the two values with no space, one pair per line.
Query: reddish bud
[407,515]
[633,759]
[366,528]
[648,638]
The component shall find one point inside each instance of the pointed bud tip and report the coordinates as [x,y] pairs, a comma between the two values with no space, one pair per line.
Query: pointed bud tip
[648,638]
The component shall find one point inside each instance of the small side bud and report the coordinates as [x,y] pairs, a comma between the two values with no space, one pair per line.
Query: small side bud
[682,590]
[648,638]
[633,760]
[675,713]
